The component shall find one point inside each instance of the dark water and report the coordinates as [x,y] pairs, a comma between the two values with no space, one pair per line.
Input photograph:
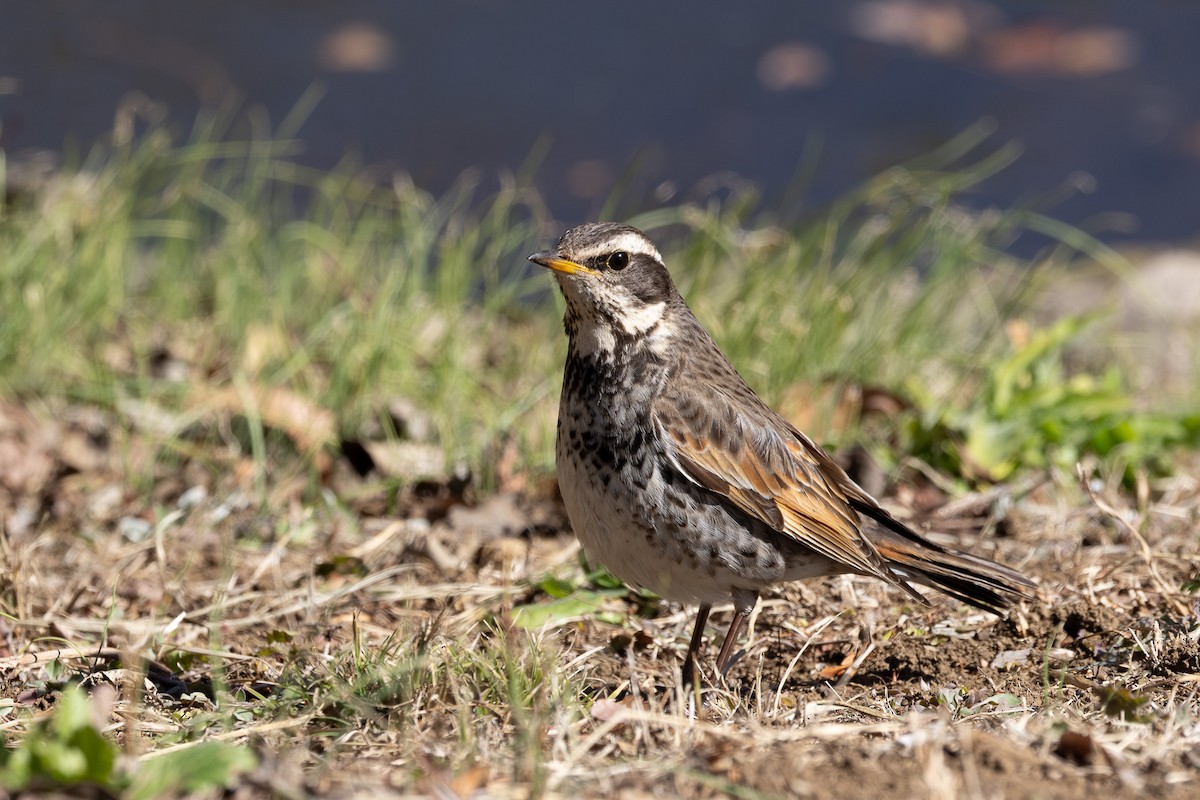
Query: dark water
[1109,89]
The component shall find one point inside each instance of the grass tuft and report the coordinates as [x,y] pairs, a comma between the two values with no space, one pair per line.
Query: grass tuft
[156,266]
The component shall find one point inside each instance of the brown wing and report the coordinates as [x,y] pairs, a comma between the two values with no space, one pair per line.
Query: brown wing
[769,470]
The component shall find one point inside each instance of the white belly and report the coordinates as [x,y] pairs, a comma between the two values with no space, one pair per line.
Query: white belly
[616,532]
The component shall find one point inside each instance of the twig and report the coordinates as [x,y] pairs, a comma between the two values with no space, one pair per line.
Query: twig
[239,733]
[1169,594]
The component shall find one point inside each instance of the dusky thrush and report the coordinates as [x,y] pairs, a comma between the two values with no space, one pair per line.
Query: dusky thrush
[679,479]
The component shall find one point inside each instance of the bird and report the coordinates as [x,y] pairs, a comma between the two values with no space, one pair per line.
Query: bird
[680,480]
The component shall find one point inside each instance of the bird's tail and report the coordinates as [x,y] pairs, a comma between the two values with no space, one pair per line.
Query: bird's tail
[971,579]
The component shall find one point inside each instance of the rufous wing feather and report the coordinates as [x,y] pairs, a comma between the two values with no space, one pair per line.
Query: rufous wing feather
[747,461]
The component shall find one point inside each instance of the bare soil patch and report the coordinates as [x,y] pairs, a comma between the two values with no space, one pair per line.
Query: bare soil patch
[364,638]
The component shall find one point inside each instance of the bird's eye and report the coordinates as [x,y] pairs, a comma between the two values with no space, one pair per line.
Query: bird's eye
[617,261]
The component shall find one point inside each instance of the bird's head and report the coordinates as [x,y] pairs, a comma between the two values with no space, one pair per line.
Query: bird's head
[615,284]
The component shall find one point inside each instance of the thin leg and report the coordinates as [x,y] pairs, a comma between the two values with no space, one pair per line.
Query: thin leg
[744,601]
[689,665]
[731,637]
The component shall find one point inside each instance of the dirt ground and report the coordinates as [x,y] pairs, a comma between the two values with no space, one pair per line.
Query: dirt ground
[366,639]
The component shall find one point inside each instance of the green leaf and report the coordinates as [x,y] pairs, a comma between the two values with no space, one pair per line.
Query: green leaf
[556,587]
[210,765]
[96,755]
[1117,701]
[992,445]
[278,637]
[1004,700]
[604,579]
[72,713]
[65,751]
[556,612]
[351,566]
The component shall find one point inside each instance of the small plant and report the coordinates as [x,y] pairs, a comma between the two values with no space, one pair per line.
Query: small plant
[1030,412]
[67,750]
[208,765]
[569,600]
[63,750]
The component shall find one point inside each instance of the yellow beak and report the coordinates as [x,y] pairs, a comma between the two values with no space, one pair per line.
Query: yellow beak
[551,261]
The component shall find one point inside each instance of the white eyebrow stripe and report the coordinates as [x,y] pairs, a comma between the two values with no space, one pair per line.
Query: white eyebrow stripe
[630,242]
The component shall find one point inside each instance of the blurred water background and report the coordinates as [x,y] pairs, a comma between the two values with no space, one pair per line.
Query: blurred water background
[1102,96]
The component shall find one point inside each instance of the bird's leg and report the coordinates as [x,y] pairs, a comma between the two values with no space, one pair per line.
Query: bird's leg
[731,636]
[689,665]
[743,604]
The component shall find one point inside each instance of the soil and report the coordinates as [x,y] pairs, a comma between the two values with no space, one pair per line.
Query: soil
[116,548]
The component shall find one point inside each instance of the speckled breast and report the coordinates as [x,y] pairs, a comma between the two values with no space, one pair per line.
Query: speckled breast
[648,524]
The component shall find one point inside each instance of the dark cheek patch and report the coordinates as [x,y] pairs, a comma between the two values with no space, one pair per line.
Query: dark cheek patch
[650,285]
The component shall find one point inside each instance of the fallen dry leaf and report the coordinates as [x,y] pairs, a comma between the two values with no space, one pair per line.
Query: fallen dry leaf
[498,515]
[27,451]
[834,671]
[406,460]
[1077,748]
[605,710]
[467,783]
[312,428]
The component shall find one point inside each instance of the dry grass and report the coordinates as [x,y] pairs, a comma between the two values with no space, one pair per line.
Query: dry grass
[360,653]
